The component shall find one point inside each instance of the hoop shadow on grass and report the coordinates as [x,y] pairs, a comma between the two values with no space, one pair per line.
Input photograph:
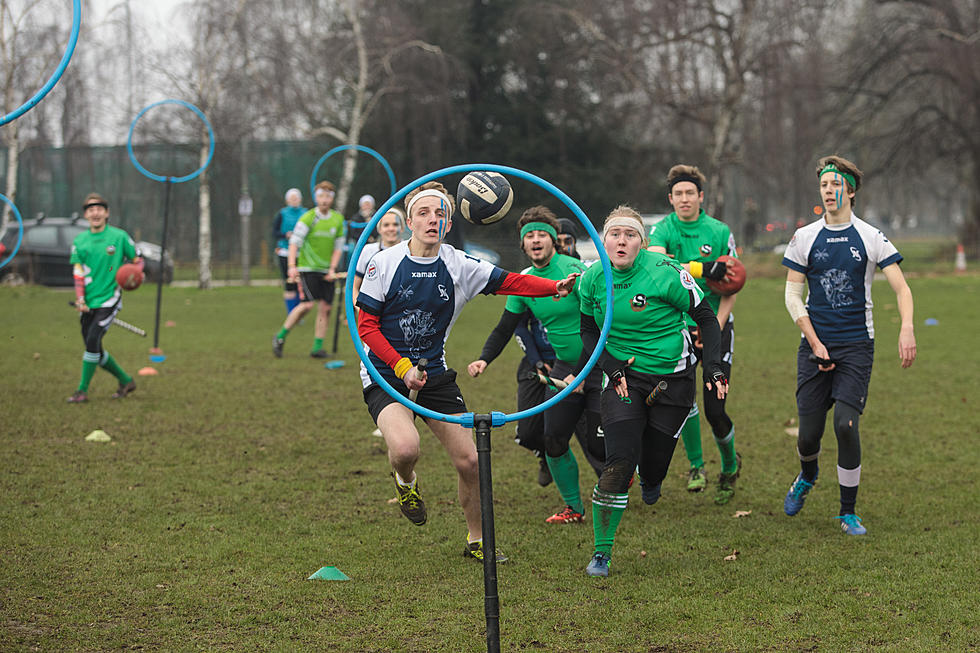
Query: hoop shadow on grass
[76,23]
[153,175]
[20,229]
[467,419]
[360,148]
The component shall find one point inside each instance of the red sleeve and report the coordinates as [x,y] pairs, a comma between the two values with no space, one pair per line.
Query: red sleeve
[526,286]
[369,328]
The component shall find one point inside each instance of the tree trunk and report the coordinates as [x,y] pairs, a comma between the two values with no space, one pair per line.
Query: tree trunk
[204,228]
[13,159]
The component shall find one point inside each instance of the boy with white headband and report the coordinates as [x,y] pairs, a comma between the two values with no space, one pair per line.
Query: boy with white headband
[836,257]
[411,295]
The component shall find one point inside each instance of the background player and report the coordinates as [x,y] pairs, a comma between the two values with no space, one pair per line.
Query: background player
[411,295]
[96,256]
[560,319]
[648,343]
[694,238]
[389,229]
[315,249]
[836,258]
[282,229]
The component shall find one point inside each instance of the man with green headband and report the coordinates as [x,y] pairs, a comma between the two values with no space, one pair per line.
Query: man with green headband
[696,240]
[836,257]
[560,319]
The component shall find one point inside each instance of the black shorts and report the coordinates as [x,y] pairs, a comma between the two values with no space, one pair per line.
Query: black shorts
[530,392]
[592,385]
[668,412]
[848,382]
[284,273]
[440,394]
[316,287]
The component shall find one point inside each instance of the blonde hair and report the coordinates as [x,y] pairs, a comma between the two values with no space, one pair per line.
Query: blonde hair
[398,213]
[434,185]
[628,212]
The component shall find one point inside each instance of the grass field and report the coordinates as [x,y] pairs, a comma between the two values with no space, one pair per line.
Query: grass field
[232,476]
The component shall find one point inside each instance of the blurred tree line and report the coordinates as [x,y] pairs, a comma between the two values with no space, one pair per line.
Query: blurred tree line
[598,98]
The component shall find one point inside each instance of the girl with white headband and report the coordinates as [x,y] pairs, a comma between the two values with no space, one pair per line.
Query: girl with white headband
[389,230]
[648,344]
[411,295]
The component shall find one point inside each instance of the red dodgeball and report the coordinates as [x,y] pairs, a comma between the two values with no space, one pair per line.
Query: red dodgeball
[734,278]
[129,276]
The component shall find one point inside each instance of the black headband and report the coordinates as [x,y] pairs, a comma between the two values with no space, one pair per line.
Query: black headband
[95,203]
[685,177]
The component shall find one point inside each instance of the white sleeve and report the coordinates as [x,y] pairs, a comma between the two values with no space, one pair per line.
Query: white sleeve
[299,233]
[374,286]
[797,251]
[470,274]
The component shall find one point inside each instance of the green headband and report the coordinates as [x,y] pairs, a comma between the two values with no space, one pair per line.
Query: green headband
[830,167]
[539,226]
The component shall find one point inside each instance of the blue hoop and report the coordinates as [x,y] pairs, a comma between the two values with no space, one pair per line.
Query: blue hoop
[76,23]
[362,148]
[154,176]
[466,419]
[20,232]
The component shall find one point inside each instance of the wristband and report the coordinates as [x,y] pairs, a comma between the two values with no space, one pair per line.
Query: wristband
[402,367]
[696,268]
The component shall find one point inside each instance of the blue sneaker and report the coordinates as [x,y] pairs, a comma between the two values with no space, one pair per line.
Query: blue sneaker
[793,503]
[599,565]
[851,524]
[650,493]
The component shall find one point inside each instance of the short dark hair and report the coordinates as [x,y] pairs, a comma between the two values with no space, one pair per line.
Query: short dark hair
[682,172]
[94,199]
[844,166]
[538,214]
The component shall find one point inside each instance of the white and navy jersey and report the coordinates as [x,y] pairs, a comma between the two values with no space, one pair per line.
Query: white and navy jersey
[839,264]
[417,300]
[367,253]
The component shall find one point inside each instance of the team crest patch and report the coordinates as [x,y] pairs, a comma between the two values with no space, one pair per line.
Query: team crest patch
[372,271]
[110,250]
[638,303]
[706,250]
[687,280]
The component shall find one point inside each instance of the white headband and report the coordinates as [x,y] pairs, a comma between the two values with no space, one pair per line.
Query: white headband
[429,192]
[622,221]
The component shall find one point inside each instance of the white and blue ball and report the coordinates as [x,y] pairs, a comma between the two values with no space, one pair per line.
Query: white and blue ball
[484,197]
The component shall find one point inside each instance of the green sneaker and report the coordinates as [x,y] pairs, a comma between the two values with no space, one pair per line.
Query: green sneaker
[726,483]
[410,501]
[475,550]
[697,480]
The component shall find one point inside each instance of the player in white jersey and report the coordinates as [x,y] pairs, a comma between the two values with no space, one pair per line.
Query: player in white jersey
[836,258]
[411,295]
[389,228]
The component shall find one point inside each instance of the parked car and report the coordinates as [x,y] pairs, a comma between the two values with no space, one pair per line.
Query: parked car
[45,252]
[587,249]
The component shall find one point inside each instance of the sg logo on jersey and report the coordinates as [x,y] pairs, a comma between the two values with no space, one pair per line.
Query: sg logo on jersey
[706,250]
[443,295]
[638,303]
[110,250]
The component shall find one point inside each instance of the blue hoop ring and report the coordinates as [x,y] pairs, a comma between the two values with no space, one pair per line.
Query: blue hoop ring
[20,232]
[362,148]
[76,23]
[466,419]
[154,176]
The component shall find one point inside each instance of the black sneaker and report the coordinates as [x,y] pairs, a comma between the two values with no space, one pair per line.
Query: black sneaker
[475,550]
[410,502]
[319,353]
[277,344]
[726,483]
[124,389]
[544,474]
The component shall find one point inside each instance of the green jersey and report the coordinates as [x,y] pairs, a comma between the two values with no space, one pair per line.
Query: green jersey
[317,237]
[703,239]
[558,315]
[101,255]
[650,301]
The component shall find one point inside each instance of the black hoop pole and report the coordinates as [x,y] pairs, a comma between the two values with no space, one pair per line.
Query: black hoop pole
[491,602]
[336,318]
[163,253]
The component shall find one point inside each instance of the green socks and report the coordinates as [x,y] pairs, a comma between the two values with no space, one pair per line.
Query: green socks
[564,470]
[283,332]
[607,510]
[691,435]
[726,446]
[109,364]
[89,362]
[317,344]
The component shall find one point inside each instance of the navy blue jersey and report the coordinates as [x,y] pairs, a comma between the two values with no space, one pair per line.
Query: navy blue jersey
[417,300]
[839,263]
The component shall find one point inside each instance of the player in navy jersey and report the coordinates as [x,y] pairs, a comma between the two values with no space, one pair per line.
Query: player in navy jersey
[836,257]
[411,295]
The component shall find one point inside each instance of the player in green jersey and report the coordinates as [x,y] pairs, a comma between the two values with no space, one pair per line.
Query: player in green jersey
[649,362]
[560,318]
[96,256]
[315,249]
[696,240]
